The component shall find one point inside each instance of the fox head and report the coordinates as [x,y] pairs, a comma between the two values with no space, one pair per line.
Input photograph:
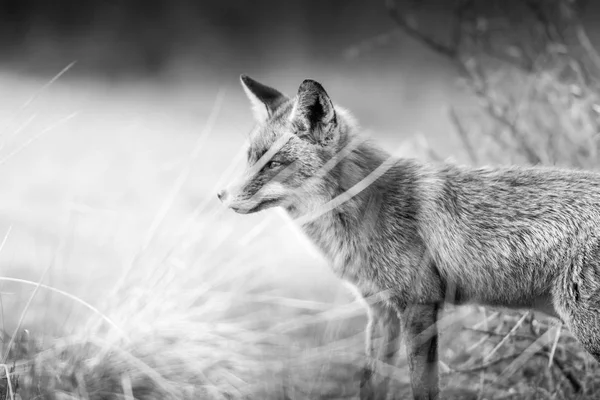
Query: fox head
[293,140]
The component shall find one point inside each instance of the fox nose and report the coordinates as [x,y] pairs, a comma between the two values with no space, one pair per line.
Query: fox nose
[222,195]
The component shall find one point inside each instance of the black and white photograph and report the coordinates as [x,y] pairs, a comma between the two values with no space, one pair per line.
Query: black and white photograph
[300,199]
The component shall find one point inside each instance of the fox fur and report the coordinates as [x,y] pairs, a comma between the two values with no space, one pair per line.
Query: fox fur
[420,234]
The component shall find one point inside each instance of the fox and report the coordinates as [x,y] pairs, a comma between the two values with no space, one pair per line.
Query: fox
[416,235]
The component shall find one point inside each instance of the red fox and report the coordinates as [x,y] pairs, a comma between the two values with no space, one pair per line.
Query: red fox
[418,234]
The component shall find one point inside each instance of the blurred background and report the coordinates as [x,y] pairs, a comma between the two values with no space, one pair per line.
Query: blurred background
[207,44]
[120,120]
[102,102]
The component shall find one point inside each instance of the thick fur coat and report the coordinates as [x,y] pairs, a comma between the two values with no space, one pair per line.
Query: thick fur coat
[420,235]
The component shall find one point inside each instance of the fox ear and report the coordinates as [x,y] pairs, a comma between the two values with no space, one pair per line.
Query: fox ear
[313,113]
[265,100]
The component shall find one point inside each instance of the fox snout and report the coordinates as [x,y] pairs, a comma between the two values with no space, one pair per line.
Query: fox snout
[225,197]
[247,198]
[236,199]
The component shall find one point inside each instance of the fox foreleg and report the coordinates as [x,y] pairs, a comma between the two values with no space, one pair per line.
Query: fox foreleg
[383,318]
[419,323]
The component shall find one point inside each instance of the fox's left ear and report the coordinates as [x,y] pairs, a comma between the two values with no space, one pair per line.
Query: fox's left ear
[265,100]
[313,113]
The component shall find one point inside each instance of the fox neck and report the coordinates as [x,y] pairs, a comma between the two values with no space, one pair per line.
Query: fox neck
[342,232]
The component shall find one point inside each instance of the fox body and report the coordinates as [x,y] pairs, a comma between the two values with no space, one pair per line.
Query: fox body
[417,235]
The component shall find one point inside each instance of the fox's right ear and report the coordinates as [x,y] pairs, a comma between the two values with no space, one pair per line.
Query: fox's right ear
[265,100]
[314,114]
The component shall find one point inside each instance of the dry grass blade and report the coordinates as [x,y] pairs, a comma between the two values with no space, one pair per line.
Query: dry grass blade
[338,157]
[339,313]
[34,96]
[351,192]
[81,386]
[48,84]
[6,235]
[301,238]
[529,352]
[24,145]
[10,391]
[554,345]
[483,323]
[20,129]
[255,231]
[220,182]
[24,313]
[184,174]
[285,301]
[117,349]
[55,260]
[328,166]
[477,344]
[126,384]
[175,189]
[477,368]
[2,322]
[505,339]
[71,297]
[486,320]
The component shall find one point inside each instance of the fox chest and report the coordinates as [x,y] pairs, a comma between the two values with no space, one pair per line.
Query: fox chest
[346,254]
[353,264]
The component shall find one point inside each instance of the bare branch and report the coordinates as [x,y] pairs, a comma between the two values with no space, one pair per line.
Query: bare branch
[550,29]
[415,33]
[587,45]
[464,136]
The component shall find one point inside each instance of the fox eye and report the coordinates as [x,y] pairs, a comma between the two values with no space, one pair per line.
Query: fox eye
[273,164]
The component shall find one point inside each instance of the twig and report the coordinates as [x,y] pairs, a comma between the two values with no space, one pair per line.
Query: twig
[550,30]
[519,136]
[459,13]
[496,334]
[477,368]
[395,13]
[587,44]
[577,387]
[506,337]
[463,135]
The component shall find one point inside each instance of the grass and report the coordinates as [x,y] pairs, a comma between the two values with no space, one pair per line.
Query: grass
[122,278]
[189,291]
